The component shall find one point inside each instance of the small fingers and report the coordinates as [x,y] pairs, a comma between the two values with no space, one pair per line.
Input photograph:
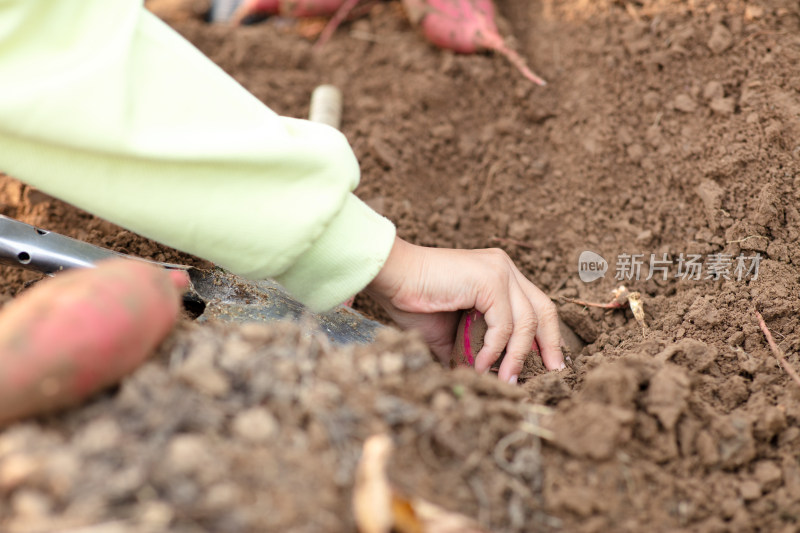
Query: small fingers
[522,337]
[548,333]
[500,322]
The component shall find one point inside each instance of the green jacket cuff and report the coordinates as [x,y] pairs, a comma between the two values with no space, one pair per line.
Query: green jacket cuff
[343,260]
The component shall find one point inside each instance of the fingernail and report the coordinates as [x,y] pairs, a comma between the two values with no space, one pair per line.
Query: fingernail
[179,278]
[513,380]
[563,366]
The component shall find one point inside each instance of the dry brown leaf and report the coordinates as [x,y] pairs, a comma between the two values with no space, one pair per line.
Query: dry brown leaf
[635,301]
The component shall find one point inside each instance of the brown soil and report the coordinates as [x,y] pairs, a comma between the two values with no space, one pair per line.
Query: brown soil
[667,127]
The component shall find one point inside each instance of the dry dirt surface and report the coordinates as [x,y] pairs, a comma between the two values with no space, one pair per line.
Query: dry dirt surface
[667,127]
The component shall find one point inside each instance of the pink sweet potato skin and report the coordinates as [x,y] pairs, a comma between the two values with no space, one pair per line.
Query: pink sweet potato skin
[471,330]
[469,338]
[464,26]
[257,7]
[458,25]
[288,8]
[81,331]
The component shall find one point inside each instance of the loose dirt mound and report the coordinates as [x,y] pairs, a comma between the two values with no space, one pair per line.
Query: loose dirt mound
[667,127]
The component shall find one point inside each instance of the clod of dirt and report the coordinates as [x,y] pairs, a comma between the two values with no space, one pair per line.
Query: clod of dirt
[614,384]
[723,106]
[592,430]
[734,440]
[667,395]
[768,475]
[712,90]
[693,354]
[769,212]
[685,103]
[711,194]
[721,39]
[704,313]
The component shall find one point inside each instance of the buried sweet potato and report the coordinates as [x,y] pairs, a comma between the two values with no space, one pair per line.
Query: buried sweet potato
[472,329]
[81,331]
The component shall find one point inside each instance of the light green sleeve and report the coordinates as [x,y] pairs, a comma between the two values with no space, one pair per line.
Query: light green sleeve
[104,106]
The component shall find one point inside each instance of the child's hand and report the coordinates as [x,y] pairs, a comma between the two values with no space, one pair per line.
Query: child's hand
[424,288]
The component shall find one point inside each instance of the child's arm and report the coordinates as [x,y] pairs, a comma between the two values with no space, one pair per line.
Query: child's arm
[104,106]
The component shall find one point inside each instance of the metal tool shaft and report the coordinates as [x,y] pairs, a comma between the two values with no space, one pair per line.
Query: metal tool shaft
[29,247]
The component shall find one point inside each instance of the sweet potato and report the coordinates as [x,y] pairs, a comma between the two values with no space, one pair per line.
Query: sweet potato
[469,339]
[287,8]
[464,26]
[81,331]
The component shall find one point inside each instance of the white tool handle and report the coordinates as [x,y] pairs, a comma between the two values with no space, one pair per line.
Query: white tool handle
[326,106]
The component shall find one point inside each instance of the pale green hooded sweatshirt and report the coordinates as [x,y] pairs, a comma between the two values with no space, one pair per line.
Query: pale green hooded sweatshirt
[104,106]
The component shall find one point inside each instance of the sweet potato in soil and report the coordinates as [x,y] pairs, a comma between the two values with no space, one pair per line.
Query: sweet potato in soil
[464,26]
[666,126]
[81,331]
[469,340]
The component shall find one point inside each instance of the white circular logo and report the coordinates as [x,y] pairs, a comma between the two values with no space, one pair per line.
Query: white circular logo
[591,266]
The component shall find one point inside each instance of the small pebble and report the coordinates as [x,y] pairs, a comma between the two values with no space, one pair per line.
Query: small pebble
[651,100]
[684,103]
[98,436]
[712,90]
[222,496]
[188,453]
[749,490]
[206,379]
[155,514]
[255,425]
[63,469]
[736,339]
[442,401]
[391,363]
[721,39]
[635,152]
[768,475]
[723,106]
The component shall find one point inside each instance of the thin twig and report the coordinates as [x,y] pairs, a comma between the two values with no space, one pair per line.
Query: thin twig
[657,121]
[776,349]
[737,241]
